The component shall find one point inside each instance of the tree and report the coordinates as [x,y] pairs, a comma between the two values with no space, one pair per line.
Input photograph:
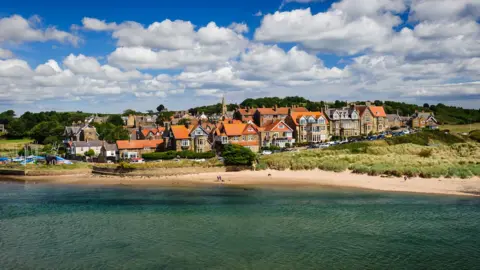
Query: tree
[234,154]
[128,112]
[150,112]
[160,108]
[46,129]
[16,129]
[115,120]
[184,121]
[89,153]
[378,103]
[111,133]
[6,117]
[426,106]
[164,117]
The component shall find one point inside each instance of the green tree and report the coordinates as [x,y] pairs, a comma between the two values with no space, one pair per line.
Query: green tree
[378,103]
[115,119]
[426,106]
[17,129]
[183,121]
[46,129]
[160,108]
[89,153]
[234,154]
[164,117]
[128,112]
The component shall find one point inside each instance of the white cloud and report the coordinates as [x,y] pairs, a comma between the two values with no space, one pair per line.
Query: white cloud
[17,29]
[97,25]
[258,14]
[443,9]
[239,27]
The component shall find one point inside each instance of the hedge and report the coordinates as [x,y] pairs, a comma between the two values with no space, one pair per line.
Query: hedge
[175,154]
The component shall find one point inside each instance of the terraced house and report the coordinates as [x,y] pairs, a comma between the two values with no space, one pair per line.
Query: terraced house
[177,138]
[344,122]
[246,135]
[424,120]
[277,133]
[372,119]
[309,126]
[264,116]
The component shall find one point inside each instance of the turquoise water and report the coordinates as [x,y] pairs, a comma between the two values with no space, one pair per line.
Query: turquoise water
[73,227]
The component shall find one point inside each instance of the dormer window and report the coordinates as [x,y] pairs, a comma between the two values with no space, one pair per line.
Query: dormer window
[281,126]
[250,129]
[311,120]
[321,120]
[303,121]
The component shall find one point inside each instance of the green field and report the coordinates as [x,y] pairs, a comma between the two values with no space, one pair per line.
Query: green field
[15,142]
[461,128]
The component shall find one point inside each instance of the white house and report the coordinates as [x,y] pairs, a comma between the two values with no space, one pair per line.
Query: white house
[79,148]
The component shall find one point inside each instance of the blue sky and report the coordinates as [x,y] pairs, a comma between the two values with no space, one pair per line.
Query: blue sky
[107,56]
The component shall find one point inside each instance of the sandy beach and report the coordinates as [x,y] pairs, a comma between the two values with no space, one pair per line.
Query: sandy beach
[271,178]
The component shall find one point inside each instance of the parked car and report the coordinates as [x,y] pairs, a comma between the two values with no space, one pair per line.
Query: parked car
[137,160]
[371,138]
[266,152]
[323,145]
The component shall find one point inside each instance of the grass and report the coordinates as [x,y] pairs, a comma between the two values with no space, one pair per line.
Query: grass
[378,158]
[461,128]
[15,141]
[165,164]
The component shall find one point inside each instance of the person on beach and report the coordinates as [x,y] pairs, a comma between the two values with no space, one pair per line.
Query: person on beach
[405,178]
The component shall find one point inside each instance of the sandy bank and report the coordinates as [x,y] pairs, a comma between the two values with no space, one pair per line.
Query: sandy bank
[291,179]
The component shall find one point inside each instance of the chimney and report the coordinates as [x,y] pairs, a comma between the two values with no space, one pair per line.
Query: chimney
[397,112]
[263,106]
[275,107]
[187,125]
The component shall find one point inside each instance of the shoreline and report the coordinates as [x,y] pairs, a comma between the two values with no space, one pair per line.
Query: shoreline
[287,179]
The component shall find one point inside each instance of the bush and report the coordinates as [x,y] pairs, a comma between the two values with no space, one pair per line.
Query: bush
[234,154]
[271,148]
[89,153]
[174,154]
[475,135]
[425,153]
[424,137]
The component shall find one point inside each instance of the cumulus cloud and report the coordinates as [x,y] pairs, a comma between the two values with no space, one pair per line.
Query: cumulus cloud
[4,54]
[17,29]
[239,27]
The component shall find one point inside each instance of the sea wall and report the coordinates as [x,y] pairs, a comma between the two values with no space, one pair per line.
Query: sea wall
[165,171]
[12,172]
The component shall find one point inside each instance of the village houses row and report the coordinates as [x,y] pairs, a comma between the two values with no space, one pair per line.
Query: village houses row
[253,128]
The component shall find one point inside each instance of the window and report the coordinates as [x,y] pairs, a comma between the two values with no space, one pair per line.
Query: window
[244,138]
[185,143]
[275,135]
[224,139]
[200,142]
[322,128]
[367,119]
[288,134]
[235,138]
[311,120]
[268,134]
[281,126]
[198,132]
[250,129]
[303,121]
[250,137]
[321,121]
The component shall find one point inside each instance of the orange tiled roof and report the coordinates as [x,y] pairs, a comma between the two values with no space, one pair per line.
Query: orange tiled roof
[377,111]
[234,129]
[281,110]
[361,109]
[299,109]
[138,144]
[245,112]
[180,132]
[274,126]
[297,115]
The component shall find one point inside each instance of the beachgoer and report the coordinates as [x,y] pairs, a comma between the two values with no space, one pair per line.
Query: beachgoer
[269,174]
[405,178]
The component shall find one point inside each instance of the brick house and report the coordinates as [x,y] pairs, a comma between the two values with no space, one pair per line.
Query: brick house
[309,126]
[263,116]
[246,135]
[244,115]
[277,133]
[128,149]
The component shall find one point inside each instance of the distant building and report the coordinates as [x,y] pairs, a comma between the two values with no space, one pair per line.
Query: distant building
[80,132]
[246,135]
[372,119]
[344,122]
[135,149]
[277,133]
[2,128]
[78,148]
[424,120]
[108,151]
[263,116]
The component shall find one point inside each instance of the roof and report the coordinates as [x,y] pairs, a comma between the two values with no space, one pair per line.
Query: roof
[280,110]
[392,117]
[180,132]
[246,111]
[274,126]
[239,129]
[88,144]
[110,146]
[361,109]
[377,111]
[297,115]
[138,144]
[299,109]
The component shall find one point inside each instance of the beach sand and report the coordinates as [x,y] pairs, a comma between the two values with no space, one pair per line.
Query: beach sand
[271,178]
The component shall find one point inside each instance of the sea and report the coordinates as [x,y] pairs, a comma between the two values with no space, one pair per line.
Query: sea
[94,227]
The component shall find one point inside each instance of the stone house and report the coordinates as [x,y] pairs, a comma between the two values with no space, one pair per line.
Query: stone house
[343,122]
[395,121]
[136,121]
[277,133]
[246,135]
[128,149]
[109,151]
[424,120]
[77,133]
[263,116]
[244,115]
[177,138]
[78,148]
[199,138]
[309,126]
[372,119]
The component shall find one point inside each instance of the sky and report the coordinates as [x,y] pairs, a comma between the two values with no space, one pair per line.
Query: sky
[108,56]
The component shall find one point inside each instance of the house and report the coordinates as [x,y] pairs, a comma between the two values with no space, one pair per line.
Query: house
[309,126]
[424,120]
[2,128]
[395,120]
[277,133]
[128,149]
[150,133]
[246,135]
[199,138]
[343,122]
[109,151]
[244,115]
[80,132]
[177,138]
[264,116]
[372,118]
[78,148]
[136,121]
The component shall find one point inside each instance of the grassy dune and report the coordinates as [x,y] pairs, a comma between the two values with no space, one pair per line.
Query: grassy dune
[386,158]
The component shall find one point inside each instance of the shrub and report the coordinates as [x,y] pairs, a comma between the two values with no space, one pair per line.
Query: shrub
[475,135]
[89,153]
[425,153]
[234,154]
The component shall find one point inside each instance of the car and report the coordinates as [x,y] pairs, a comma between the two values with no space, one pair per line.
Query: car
[137,160]
[266,152]
[323,145]
[199,160]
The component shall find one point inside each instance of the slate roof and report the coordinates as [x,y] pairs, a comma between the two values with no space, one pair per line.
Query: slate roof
[88,144]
